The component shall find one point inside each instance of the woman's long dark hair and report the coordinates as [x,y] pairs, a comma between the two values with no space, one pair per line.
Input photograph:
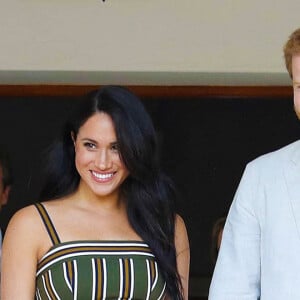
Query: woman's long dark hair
[148,192]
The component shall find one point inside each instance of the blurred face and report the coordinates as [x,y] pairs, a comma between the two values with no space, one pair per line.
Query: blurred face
[296,82]
[97,156]
[4,192]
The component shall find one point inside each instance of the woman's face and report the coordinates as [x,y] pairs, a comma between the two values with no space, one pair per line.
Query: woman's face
[97,156]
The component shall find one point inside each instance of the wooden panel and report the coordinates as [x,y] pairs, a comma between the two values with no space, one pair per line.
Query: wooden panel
[152,91]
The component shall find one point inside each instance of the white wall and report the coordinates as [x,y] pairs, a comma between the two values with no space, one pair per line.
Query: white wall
[145,41]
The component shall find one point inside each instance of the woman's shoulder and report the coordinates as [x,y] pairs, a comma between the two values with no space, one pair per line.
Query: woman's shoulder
[27,225]
[179,223]
[25,216]
[29,217]
[181,235]
[24,227]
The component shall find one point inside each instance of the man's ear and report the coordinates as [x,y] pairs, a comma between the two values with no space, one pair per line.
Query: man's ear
[5,195]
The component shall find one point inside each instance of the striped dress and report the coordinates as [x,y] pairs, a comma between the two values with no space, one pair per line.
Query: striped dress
[83,270]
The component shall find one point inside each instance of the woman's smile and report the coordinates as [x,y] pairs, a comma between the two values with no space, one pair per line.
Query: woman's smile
[102,177]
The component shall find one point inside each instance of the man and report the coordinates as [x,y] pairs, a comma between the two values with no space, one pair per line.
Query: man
[260,250]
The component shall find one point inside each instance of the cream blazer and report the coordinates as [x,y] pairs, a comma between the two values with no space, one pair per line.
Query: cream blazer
[260,250]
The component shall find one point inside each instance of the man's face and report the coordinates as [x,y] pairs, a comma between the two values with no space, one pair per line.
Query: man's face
[4,192]
[296,82]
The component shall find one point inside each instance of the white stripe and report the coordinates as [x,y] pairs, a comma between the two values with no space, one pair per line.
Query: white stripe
[45,288]
[162,293]
[38,295]
[52,286]
[104,278]
[68,245]
[66,276]
[94,278]
[75,280]
[90,253]
[121,279]
[156,277]
[149,279]
[132,278]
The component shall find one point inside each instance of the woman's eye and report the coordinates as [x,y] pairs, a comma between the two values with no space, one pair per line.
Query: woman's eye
[115,147]
[89,145]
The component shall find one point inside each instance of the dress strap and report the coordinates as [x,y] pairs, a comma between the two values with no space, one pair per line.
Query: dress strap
[48,223]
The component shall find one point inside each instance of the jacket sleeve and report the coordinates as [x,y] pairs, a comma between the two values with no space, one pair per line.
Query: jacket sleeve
[237,272]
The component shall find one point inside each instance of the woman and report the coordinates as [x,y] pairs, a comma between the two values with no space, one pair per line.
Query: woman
[109,231]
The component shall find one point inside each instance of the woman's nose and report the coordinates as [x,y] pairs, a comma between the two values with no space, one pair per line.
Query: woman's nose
[103,160]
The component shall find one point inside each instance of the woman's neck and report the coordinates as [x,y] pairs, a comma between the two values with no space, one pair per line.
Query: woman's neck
[84,196]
